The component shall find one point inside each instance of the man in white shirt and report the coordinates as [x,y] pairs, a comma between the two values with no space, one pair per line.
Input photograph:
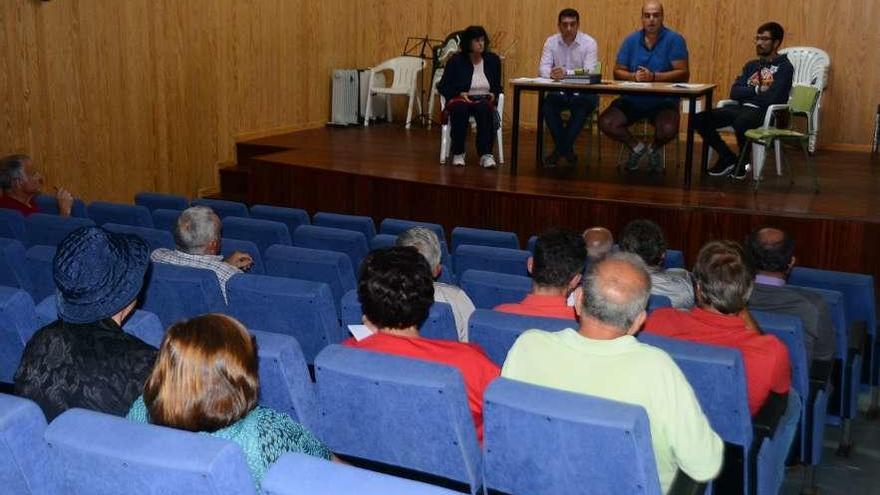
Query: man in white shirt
[425,241]
[566,52]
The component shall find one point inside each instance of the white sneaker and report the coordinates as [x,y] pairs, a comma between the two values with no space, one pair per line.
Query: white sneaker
[458,160]
[488,161]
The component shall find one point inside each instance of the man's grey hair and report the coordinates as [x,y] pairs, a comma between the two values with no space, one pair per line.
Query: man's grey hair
[11,169]
[609,300]
[425,241]
[196,227]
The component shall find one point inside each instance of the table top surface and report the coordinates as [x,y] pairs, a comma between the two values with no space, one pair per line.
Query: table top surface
[615,86]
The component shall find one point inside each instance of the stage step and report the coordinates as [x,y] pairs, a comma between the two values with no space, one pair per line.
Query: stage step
[234,182]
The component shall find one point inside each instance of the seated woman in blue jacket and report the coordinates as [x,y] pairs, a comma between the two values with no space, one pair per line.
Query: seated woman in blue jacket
[471,84]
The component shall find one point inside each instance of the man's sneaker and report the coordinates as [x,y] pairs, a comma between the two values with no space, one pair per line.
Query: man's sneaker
[551,160]
[724,166]
[488,161]
[458,160]
[655,161]
[572,159]
[632,163]
[742,172]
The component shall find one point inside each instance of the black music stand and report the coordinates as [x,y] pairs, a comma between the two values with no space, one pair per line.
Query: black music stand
[423,48]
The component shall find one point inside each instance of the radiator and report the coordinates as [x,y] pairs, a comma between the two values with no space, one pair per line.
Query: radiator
[349,98]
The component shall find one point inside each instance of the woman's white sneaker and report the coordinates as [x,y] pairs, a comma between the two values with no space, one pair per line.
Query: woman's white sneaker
[458,160]
[488,161]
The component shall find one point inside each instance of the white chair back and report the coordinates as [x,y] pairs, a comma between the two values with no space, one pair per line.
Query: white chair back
[406,71]
[810,65]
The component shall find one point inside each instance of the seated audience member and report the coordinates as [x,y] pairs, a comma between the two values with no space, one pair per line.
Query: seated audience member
[206,380]
[396,291]
[764,81]
[652,54]
[645,239]
[21,183]
[599,242]
[724,281]
[772,254]
[85,359]
[471,84]
[428,245]
[603,358]
[557,268]
[197,236]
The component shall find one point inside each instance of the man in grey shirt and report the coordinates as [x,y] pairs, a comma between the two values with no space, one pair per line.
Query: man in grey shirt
[772,253]
[645,239]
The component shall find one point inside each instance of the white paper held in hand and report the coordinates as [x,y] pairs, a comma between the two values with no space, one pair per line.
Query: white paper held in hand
[360,332]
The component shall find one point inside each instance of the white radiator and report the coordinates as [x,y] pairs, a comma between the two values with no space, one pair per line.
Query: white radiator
[349,98]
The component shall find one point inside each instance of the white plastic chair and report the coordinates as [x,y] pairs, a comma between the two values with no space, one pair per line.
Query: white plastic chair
[446,131]
[810,69]
[406,74]
[438,74]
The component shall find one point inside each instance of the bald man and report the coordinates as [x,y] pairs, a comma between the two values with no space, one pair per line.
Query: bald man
[772,252]
[654,53]
[599,241]
[602,358]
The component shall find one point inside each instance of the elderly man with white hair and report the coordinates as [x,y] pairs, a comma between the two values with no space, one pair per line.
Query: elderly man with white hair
[426,242]
[197,237]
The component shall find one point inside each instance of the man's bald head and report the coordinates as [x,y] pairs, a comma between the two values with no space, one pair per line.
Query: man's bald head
[652,17]
[599,241]
[616,291]
[652,6]
[771,250]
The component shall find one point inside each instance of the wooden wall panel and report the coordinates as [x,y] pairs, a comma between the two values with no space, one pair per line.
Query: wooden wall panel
[113,97]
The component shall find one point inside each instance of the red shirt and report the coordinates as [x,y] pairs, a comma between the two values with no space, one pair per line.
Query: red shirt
[475,367]
[537,305]
[11,203]
[764,356]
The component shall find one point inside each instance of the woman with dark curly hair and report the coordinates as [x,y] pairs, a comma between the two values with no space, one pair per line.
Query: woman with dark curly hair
[471,84]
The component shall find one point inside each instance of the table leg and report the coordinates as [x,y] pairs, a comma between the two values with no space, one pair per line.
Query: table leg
[539,130]
[689,147]
[514,132]
[704,155]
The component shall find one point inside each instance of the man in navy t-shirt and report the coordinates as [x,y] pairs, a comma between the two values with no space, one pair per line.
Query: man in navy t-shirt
[651,54]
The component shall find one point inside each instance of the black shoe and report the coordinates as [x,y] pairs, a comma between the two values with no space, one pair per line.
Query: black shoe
[572,159]
[551,160]
[724,166]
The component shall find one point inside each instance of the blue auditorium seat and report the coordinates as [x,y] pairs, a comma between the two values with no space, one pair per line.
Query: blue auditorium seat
[285,383]
[140,323]
[396,226]
[154,201]
[263,233]
[164,219]
[155,238]
[223,208]
[491,259]
[717,375]
[18,322]
[12,224]
[394,410]
[488,289]
[49,204]
[100,454]
[496,332]
[656,301]
[530,245]
[301,309]
[352,244]
[229,246]
[177,292]
[292,217]
[483,237]
[357,223]
[50,230]
[330,267]
[674,259]
[38,266]
[24,452]
[102,212]
[382,241]
[12,265]
[296,474]
[439,325]
[525,423]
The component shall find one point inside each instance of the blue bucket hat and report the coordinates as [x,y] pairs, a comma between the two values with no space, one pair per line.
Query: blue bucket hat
[98,273]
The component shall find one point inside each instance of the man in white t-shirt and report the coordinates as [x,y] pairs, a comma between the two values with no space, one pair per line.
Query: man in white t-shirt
[427,243]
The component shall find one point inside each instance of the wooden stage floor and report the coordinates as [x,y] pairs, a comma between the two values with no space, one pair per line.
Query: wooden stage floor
[388,171]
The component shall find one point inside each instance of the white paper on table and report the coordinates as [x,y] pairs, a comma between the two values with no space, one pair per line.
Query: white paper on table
[685,85]
[633,83]
[360,332]
[544,80]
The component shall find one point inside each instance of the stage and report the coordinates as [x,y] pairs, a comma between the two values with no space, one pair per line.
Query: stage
[388,171]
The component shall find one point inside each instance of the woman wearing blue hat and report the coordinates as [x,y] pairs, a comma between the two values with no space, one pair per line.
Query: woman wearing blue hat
[85,359]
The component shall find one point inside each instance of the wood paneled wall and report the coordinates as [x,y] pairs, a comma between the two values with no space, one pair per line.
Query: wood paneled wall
[116,96]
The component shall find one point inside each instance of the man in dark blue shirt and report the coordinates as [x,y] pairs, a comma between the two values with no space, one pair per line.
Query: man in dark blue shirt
[763,82]
[654,53]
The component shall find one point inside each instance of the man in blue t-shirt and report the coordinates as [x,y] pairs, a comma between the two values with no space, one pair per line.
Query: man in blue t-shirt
[651,54]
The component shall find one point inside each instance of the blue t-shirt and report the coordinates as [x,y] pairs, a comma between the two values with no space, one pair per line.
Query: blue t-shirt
[633,53]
